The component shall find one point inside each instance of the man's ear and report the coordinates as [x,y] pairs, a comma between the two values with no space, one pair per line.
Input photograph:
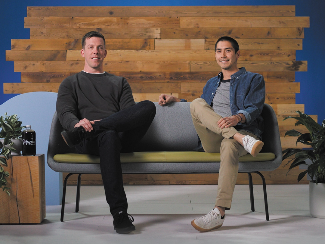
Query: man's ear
[82,53]
[238,54]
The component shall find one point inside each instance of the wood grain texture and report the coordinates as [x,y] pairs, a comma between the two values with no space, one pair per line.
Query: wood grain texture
[213,22]
[26,203]
[101,22]
[75,44]
[109,33]
[235,32]
[161,11]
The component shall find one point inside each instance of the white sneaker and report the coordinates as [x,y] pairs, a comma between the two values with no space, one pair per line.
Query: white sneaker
[252,145]
[213,220]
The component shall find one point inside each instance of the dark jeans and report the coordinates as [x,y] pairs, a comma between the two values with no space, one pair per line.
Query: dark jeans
[117,133]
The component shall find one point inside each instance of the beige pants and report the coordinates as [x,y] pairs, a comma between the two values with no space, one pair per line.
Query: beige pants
[217,140]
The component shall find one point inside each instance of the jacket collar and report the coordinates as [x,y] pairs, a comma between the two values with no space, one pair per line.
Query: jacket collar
[241,71]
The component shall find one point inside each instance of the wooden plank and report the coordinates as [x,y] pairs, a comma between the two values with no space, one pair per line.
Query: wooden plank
[156,87]
[287,109]
[254,44]
[188,55]
[36,55]
[45,44]
[26,203]
[235,32]
[109,33]
[278,76]
[43,77]
[161,11]
[290,142]
[77,66]
[179,44]
[55,77]
[292,87]
[101,22]
[167,76]
[20,88]
[258,66]
[247,21]
[282,76]
[75,44]
[275,98]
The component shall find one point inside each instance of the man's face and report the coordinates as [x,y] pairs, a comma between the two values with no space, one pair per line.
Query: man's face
[94,53]
[226,56]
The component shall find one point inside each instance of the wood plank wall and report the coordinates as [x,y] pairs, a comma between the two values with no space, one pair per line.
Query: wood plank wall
[167,50]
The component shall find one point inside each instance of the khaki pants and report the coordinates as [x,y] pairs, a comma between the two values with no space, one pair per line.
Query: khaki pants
[217,140]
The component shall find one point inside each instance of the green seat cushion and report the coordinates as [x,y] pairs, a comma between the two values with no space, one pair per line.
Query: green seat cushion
[157,157]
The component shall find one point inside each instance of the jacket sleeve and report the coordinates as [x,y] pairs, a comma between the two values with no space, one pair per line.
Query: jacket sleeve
[254,100]
[66,105]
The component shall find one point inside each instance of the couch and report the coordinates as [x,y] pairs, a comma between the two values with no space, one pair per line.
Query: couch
[167,148]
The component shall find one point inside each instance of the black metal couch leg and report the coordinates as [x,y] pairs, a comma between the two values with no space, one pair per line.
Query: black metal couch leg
[63,195]
[265,196]
[78,193]
[251,192]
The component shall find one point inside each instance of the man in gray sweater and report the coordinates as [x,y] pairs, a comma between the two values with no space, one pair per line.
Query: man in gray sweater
[100,117]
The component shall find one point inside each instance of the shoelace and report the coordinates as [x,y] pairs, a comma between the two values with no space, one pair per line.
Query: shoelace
[248,144]
[211,215]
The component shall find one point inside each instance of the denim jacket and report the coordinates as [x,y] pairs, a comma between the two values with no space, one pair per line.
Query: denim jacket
[247,96]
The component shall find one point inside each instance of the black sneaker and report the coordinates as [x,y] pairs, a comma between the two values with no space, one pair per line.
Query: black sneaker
[123,222]
[74,137]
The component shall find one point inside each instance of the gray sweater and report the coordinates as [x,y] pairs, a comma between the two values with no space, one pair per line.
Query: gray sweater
[91,96]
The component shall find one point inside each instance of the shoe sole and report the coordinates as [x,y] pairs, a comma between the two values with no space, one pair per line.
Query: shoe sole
[125,230]
[203,230]
[66,138]
[257,148]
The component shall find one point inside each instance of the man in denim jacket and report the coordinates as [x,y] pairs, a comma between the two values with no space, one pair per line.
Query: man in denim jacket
[228,120]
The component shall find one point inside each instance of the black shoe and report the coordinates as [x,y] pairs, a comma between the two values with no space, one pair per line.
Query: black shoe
[74,137]
[123,222]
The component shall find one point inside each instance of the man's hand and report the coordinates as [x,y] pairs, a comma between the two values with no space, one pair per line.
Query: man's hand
[86,124]
[228,122]
[165,99]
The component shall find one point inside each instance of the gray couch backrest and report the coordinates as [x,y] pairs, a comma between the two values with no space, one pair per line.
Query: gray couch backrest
[171,130]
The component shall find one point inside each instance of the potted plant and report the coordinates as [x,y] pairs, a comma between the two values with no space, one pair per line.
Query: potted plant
[11,129]
[313,157]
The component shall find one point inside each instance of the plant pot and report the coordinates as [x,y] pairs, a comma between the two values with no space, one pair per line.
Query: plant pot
[18,145]
[317,199]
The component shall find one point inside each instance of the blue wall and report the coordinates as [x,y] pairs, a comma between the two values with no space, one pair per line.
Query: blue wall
[12,27]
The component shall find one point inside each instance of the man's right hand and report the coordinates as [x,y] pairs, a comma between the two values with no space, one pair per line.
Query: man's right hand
[165,99]
[86,124]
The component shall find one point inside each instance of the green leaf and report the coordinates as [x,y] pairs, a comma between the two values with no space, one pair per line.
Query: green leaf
[3,161]
[302,175]
[292,133]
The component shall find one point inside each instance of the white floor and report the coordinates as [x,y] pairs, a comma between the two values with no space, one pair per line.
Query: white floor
[163,214]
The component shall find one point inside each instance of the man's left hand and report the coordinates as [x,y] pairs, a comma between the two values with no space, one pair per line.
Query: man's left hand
[228,122]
